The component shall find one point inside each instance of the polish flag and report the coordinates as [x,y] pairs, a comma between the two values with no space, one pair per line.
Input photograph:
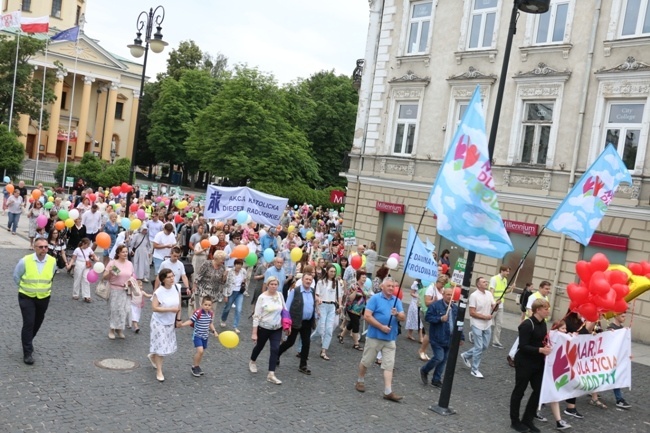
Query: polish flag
[35,25]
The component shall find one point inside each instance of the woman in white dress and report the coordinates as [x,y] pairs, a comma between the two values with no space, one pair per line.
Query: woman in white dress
[166,304]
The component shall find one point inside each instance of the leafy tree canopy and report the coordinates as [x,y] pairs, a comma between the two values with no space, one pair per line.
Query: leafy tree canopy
[11,151]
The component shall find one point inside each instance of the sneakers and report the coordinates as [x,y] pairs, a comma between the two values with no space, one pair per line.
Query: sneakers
[562,425]
[623,404]
[196,371]
[540,417]
[424,377]
[477,374]
[28,359]
[272,379]
[237,331]
[436,383]
[222,324]
[360,386]
[252,366]
[466,360]
[573,412]
[497,345]
[393,397]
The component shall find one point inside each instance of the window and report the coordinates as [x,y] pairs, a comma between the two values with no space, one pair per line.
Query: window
[614,256]
[419,27]
[392,228]
[77,16]
[521,244]
[551,26]
[537,122]
[119,109]
[64,97]
[407,115]
[624,124]
[482,23]
[636,18]
[26,6]
[56,8]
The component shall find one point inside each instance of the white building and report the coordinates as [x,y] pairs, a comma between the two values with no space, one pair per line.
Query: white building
[578,78]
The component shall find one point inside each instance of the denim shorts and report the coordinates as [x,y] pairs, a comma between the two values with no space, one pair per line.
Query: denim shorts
[200,342]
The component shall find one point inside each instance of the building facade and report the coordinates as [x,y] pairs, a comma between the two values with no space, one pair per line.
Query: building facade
[97,93]
[578,79]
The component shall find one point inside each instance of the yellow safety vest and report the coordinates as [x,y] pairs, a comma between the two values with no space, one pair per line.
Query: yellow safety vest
[536,295]
[500,286]
[35,284]
[148,210]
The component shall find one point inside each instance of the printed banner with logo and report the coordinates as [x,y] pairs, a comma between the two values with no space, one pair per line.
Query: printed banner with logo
[226,202]
[421,263]
[463,196]
[582,364]
[580,212]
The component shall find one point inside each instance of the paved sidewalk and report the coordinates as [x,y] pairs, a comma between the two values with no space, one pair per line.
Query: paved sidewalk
[65,390]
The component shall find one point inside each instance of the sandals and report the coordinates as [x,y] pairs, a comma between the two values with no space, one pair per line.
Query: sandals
[324,356]
[304,370]
[597,403]
[357,347]
[87,300]
[340,338]
[411,338]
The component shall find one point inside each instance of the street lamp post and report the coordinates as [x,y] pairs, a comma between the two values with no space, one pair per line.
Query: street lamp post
[146,21]
[531,7]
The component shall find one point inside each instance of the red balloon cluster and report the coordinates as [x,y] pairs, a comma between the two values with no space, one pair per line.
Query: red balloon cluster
[92,197]
[600,290]
[178,219]
[445,268]
[641,269]
[125,188]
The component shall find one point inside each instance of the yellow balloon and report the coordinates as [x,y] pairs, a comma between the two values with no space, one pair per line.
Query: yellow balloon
[296,254]
[50,199]
[69,223]
[309,235]
[229,339]
[135,224]
[290,229]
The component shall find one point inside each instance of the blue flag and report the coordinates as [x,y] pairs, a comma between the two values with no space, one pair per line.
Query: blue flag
[70,34]
[463,196]
[580,213]
[421,263]
[430,247]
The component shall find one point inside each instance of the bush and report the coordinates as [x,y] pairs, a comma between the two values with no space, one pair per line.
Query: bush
[96,172]
[299,193]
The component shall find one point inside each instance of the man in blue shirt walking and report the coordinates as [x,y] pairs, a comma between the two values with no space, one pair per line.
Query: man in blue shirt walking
[383,311]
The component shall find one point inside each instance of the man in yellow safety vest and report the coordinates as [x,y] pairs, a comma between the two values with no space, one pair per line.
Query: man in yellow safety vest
[498,286]
[33,276]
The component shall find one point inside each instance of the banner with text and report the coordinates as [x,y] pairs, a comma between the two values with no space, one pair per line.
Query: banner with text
[226,202]
[421,263]
[582,364]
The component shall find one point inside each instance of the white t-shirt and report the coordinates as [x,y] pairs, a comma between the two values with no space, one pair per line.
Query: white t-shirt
[163,239]
[154,227]
[433,292]
[92,221]
[166,298]
[177,268]
[483,302]
[82,255]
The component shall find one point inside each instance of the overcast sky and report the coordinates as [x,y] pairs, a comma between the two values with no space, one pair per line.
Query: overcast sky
[288,38]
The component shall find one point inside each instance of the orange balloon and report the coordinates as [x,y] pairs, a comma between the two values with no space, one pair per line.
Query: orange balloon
[103,240]
[59,225]
[240,252]
[36,194]
[10,188]
[205,243]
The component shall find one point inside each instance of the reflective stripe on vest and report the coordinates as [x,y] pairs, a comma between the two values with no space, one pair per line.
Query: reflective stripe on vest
[32,282]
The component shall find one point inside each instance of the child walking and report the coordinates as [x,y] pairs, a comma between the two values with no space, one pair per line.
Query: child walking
[201,320]
[137,302]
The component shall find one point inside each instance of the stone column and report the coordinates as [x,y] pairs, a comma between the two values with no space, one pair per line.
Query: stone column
[83,118]
[110,122]
[132,124]
[101,114]
[55,114]
[23,127]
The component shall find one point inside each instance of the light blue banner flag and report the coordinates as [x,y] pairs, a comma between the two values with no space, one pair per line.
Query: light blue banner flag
[580,213]
[430,247]
[420,261]
[463,196]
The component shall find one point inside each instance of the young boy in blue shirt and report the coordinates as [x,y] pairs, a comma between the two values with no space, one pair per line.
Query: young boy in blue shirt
[201,320]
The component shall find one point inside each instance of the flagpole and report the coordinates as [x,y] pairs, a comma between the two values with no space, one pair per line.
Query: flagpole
[40,119]
[74,79]
[13,89]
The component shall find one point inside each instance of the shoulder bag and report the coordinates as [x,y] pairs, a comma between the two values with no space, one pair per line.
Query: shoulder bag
[103,290]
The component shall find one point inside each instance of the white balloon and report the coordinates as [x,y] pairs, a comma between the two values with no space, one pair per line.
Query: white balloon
[74,214]
[213,240]
[392,263]
[98,267]
[262,233]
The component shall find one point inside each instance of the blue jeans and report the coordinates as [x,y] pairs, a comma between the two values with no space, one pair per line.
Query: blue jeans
[325,326]
[437,362]
[12,224]
[156,265]
[618,394]
[481,343]
[238,299]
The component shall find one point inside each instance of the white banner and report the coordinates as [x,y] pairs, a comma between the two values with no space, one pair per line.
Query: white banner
[583,364]
[226,202]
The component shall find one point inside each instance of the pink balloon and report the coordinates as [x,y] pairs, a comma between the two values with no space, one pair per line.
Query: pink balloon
[92,276]
[140,213]
[395,256]
[41,221]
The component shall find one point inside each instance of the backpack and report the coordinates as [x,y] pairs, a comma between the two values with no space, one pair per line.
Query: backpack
[199,313]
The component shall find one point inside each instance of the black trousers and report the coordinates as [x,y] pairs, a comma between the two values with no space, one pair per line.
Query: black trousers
[305,333]
[33,311]
[525,374]
[272,336]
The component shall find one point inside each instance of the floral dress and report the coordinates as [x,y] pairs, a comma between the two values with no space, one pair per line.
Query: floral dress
[211,281]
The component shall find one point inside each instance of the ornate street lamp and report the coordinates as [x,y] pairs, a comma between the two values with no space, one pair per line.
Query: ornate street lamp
[146,21]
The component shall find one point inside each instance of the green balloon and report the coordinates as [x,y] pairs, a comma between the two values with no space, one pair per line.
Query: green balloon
[251,259]
[338,269]
[342,209]
[63,214]
[48,193]
[189,214]
[48,205]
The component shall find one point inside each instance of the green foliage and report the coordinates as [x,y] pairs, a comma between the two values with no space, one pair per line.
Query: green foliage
[298,193]
[11,152]
[144,155]
[115,174]
[27,97]
[95,171]
[188,55]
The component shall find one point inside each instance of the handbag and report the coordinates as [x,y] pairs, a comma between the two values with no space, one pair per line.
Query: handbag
[286,316]
[89,264]
[103,290]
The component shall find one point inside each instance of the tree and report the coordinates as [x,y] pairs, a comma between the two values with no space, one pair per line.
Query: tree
[144,155]
[27,97]
[116,173]
[11,152]
[244,134]
[188,55]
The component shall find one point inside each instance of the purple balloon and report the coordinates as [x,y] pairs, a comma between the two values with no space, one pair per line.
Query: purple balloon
[92,276]
[41,221]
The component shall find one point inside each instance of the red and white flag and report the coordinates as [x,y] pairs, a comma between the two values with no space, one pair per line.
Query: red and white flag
[10,20]
[35,25]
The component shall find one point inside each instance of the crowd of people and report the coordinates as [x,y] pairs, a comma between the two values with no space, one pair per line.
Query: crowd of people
[321,296]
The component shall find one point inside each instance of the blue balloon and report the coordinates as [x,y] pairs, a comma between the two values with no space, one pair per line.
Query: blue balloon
[269,255]
[295,206]
[242,216]
[126,223]
[330,237]
[7,179]
[368,284]
[426,283]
